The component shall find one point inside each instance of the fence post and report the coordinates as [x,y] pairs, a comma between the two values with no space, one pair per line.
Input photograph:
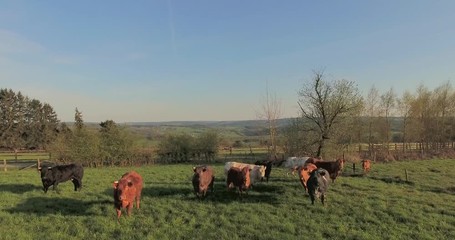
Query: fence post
[353,167]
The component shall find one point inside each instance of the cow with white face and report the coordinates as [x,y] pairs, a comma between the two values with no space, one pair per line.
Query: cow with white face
[257,172]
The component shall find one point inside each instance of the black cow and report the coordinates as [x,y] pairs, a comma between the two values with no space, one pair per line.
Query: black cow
[318,184]
[52,176]
[268,167]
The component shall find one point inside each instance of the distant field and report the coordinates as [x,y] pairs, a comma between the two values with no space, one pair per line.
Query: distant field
[381,205]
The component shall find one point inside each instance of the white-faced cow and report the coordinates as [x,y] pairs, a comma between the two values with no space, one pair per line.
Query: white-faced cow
[257,172]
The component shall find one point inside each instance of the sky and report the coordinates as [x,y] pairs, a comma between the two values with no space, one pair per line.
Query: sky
[205,60]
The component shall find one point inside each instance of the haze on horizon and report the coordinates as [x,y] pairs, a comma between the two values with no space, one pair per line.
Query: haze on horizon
[152,61]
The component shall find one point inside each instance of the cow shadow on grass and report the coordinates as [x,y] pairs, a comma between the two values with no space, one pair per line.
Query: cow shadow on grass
[19,188]
[165,191]
[260,193]
[63,206]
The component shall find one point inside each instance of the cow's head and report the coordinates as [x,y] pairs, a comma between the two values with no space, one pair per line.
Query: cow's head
[341,162]
[46,177]
[123,190]
[199,174]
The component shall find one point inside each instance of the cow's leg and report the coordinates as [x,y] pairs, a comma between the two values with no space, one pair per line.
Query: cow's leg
[322,198]
[211,184]
[138,201]
[129,208]
[119,213]
[75,183]
[79,183]
[55,187]
[312,198]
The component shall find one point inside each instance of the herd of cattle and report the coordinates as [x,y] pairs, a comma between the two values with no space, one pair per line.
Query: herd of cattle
[313,173]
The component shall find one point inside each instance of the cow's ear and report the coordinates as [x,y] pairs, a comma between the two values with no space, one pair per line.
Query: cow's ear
[115,184]
[194,169]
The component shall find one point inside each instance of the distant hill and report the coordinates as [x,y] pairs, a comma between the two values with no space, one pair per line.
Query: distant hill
[249,130]
[226,129]
[239,123]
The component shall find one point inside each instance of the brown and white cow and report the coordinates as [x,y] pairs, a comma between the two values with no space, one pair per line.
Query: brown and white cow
[127,190]
[366,166]
[203,179]
[238,177]
[257,172]
[333,167]
[295,163]
[304,174]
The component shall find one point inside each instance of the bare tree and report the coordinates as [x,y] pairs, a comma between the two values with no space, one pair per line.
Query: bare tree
[443,107]
[371,112]
[404,108]
[326,104]
[271,113]
[388,101]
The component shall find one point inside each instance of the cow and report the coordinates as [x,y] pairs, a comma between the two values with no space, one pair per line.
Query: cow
[203,179]
[293,163]
[304,174]
[333,167]
[257,172]
[313,160]
[127,190]
[366,165]
[268,168]
[52,176]
[318,185]
[238,177]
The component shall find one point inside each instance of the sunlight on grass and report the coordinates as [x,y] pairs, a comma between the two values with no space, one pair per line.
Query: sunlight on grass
[381,205]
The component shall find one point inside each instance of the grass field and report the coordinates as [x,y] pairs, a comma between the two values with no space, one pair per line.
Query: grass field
[381,205]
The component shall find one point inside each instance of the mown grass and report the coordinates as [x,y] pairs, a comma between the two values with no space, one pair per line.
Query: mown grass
[381,205]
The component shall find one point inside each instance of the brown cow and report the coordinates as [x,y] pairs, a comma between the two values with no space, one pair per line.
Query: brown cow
[313,160]
[333,167]
[203,179]
[304,174]
[126,191]
[366,165]
[238,177]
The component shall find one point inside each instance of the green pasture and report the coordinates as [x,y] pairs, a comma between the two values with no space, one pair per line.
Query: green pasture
[381,205]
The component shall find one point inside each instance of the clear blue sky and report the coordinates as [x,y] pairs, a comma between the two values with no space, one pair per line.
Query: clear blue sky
[170,60]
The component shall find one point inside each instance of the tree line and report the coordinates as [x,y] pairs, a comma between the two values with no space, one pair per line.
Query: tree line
[334,115]
[29,124]
[25,123]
